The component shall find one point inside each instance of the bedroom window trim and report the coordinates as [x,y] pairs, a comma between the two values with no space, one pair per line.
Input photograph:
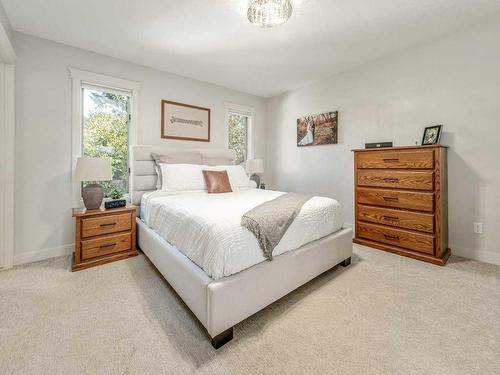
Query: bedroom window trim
[79,80]
[249,112]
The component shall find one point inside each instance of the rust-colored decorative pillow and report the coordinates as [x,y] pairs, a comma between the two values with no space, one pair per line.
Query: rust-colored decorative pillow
[217,181]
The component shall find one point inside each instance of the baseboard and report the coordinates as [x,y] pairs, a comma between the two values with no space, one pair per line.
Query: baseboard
[35,256]
[480,255]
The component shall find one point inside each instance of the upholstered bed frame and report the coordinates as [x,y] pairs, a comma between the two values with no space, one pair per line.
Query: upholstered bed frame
[220,304]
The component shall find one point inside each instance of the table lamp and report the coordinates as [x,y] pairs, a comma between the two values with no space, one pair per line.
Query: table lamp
[254,167]
[93,170]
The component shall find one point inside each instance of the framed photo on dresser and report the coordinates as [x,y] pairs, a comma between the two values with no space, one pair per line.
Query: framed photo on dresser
[184,122]
[432,135]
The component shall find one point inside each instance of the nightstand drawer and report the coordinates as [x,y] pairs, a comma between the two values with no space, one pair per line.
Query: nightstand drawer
[97,226]
[106,245]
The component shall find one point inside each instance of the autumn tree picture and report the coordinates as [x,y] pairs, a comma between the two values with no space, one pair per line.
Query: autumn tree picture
[316,130]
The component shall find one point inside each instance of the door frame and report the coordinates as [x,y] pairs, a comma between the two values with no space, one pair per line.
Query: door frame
[7,151]
[7,155]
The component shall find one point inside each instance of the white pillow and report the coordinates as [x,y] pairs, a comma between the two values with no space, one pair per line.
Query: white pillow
[236,173]
[187,157]
[182,177]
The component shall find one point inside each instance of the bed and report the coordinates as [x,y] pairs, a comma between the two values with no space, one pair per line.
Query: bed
[221,275]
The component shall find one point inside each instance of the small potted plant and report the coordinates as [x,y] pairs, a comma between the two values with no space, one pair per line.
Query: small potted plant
[115,194]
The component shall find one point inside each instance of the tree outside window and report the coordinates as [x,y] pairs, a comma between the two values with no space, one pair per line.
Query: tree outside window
[238,136]
[105,134]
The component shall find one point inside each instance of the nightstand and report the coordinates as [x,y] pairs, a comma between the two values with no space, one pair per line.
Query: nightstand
[103,236]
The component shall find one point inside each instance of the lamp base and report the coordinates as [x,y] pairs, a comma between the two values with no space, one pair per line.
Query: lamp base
[256,178]
[92,196]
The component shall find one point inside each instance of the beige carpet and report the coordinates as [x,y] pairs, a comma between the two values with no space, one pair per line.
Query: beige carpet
[382,315]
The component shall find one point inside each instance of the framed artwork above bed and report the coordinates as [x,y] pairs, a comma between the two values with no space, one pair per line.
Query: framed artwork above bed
[184,122]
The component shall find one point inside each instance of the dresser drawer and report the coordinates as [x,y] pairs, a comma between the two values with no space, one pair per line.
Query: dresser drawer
[397,218]
[396,159]
[396,179]
[106,245]
[95,226]
[396,198]
[422,243]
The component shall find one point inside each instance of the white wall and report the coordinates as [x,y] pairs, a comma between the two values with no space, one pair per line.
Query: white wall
[5,23]
[454,81]
[7,54]
[44,226]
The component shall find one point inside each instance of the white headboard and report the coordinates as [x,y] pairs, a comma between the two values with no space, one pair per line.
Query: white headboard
[143,166]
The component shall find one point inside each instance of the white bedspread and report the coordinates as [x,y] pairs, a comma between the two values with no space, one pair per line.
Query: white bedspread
[207,227]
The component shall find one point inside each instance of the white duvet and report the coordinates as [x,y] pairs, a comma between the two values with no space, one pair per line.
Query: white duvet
[206,227]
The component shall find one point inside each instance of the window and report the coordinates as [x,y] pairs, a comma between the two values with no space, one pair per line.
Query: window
[105,132]
[238,135]
[239,131]
[104,118]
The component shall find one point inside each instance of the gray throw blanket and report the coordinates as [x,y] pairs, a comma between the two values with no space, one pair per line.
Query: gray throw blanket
[270,220]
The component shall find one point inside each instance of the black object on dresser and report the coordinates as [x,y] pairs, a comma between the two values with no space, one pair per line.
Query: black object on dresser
[378,145]
[115,203]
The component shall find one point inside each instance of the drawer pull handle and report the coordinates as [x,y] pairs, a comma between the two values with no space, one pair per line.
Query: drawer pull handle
[107,245]
[108,225]
[396,199]
[391,179]
[393,238]
[395,160]
[391,218]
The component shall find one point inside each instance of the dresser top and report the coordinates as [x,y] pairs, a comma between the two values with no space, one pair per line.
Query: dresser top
[81,212]
[399,148]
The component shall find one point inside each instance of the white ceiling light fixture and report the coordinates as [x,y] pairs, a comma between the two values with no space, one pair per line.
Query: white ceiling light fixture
[269,13]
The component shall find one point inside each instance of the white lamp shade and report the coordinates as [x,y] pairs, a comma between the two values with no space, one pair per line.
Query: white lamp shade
[93,169]
[255,166]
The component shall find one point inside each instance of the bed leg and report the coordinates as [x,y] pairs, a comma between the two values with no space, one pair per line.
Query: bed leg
[222,338]
[345,262]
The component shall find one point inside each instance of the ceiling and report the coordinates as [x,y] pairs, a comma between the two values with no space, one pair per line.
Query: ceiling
[212,41]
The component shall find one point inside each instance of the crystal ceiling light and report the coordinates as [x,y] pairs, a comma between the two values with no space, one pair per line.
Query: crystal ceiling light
[269,13]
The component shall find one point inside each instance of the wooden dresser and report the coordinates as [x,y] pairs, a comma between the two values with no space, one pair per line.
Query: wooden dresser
[103,236]
[401,201]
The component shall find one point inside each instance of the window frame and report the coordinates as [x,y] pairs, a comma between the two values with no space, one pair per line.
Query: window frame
[243,110]
[79,79]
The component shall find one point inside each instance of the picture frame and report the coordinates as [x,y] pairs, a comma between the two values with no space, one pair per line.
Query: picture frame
[184,122]
[432,135]
[319,129]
